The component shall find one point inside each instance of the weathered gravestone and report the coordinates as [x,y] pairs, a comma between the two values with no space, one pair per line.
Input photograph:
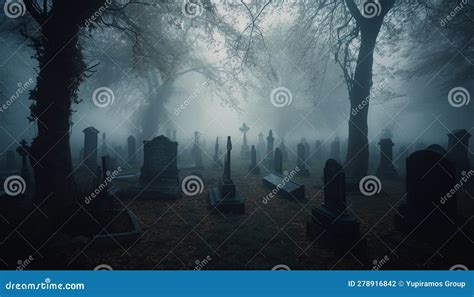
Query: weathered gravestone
[269,155]
[331,222]
[386,168]
[278,162]
[132,150]
[336,149]
[216,158]
[283,184]
[226,197]
[430,207]
[301,161]
[458,149]
[159,177]
[253,165]
[90,148]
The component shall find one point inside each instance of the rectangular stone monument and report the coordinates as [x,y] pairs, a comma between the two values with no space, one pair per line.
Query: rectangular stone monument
[386,169]
[283,184]
[225,196]
[90,148]
[430,207]
[253,168]
[331,222]
[159,177]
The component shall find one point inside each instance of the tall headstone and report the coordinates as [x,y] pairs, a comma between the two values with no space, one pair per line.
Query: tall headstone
[159,177]
[132,150]
[458,149]
[226,197]
[278,162]
[386,168]
[90,148]
[301,161]
[430,207]
[331,222]
[269,155]
[253,165]
[336,149]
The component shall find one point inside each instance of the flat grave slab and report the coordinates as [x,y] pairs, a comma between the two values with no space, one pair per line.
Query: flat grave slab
[288,189]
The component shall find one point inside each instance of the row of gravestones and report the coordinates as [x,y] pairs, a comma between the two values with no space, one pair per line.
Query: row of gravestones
[89,153]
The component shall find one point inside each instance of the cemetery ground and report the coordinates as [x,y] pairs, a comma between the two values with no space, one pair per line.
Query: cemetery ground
[185,234]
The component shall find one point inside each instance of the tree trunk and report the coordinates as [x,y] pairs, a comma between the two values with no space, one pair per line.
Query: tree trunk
[61,67]
[357,160]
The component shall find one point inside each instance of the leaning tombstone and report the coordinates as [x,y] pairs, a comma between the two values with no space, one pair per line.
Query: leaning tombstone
[254,169]
[332,223]
[225,197]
